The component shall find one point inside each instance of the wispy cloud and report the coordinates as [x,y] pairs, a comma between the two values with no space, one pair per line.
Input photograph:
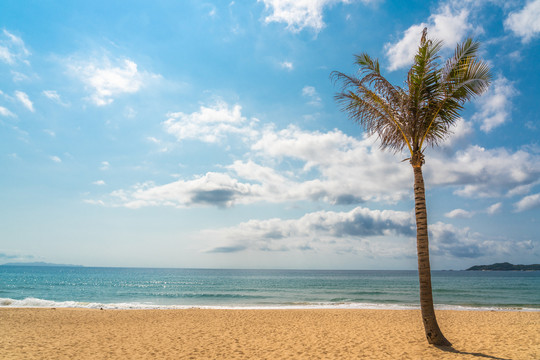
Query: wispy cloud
[55,158]
[25,100]
[18,76]
[163,146]
[12,49]
[287,65]
[129,112]
[54,96]
[10,256]
[524,23]
[6,112]
[311,94]
[5,55]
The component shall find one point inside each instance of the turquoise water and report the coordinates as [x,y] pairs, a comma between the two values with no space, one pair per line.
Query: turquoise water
[128,288]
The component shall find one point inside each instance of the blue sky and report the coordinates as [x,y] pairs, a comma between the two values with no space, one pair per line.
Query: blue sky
[205,134]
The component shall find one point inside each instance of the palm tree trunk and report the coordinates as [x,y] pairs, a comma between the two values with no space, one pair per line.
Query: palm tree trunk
[433,333]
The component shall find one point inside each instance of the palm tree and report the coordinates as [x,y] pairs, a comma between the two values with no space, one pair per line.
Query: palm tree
[413,117]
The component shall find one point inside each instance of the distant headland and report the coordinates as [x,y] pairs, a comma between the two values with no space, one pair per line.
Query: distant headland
[38,263]
[505,266]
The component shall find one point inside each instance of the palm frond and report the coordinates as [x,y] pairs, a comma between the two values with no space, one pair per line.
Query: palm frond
[428,106]
[374,105]
[458,62]
[462,78]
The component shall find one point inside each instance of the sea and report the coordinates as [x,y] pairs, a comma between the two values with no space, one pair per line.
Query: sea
[145,288]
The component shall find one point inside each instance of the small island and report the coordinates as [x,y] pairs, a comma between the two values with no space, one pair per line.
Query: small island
[505,266]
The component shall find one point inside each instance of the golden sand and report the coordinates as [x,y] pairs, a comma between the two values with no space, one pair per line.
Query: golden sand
[263,334]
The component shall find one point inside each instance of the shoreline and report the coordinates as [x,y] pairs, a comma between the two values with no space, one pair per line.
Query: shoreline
[34,303]
[63,333]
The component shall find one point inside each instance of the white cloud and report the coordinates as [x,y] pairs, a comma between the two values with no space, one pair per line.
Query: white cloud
[17,41]
[448,240]
[362,231]
[56,159]
[210,124]
[459,132]
[525,23]
[163,147]
[6,112]
[12,49]
[336,169]
[108,79]
[49,132]
[315,231]
[99,182]
[333,168]
[522,189]
[311,94]
[52,94]
[459,213]
[347,170]
[449,25]
[528,202]
[493,209]
[25,100]
[105,165]
[212,12]
[292,164]
[287,65]
[496,104]
[211,189]
[299,14]
[5,55]
[479,172]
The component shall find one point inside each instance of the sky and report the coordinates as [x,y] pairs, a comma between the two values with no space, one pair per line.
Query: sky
[200,134]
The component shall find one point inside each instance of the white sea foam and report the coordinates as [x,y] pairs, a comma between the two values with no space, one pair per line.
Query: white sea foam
[42,303]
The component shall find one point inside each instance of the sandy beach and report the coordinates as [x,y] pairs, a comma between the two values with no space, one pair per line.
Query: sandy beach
[262,334]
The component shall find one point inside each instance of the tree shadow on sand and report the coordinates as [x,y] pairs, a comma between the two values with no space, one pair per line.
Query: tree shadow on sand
[479,355]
